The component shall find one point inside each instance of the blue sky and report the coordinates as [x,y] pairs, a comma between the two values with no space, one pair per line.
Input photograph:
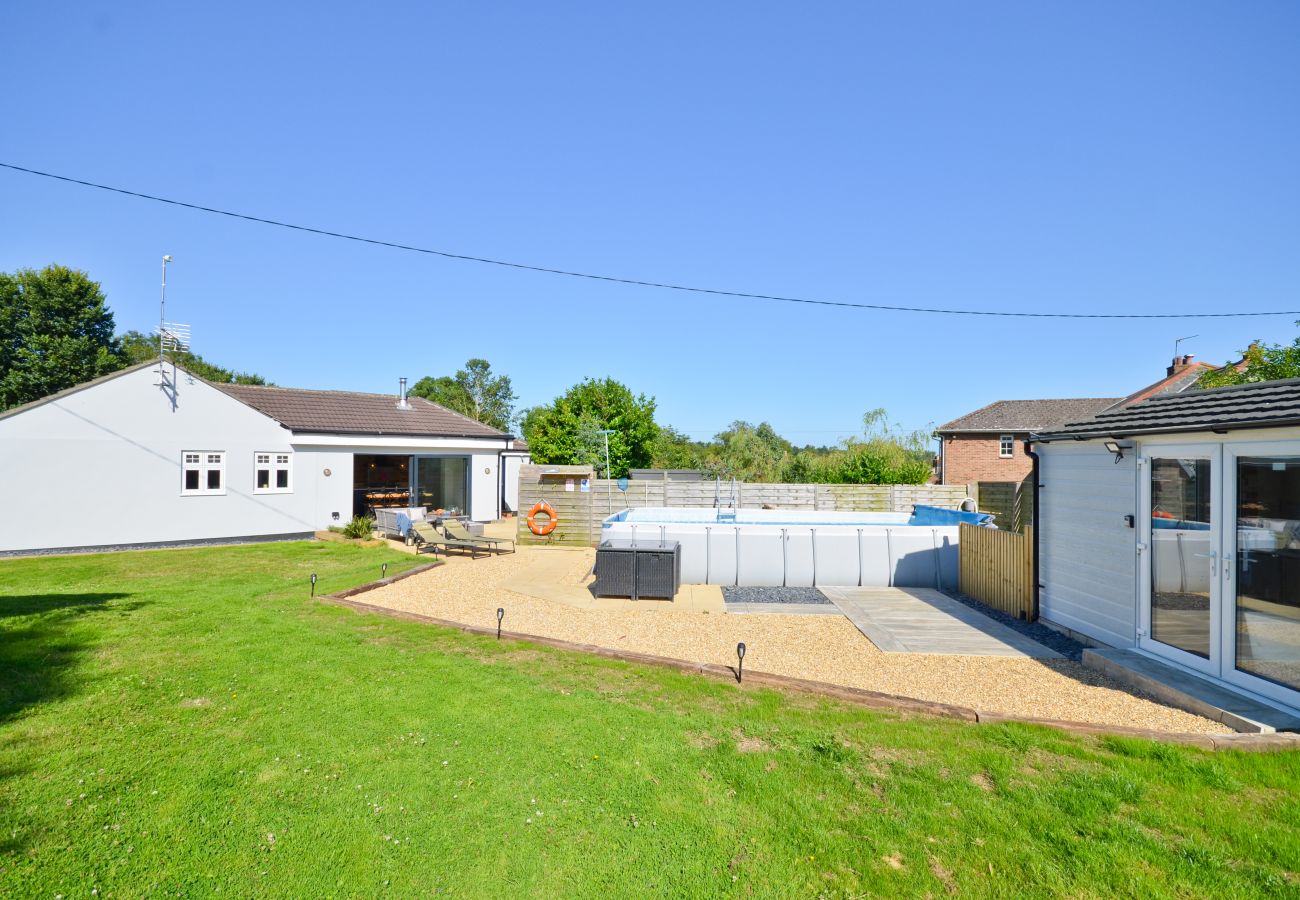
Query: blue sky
[1102,157]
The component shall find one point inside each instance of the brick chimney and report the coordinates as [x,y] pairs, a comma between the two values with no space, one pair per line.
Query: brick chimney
[1180,364]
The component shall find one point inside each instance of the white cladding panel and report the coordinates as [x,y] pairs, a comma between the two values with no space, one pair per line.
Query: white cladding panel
[1087,552]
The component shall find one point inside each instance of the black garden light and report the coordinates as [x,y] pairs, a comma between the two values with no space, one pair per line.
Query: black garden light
[313,584]
[501,614]
[740,656]
[383,570]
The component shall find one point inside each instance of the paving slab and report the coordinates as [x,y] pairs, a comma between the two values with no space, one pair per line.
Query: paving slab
[922,620]
[1186,690]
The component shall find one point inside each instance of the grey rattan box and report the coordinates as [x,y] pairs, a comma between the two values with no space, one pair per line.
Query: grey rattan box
[638,569]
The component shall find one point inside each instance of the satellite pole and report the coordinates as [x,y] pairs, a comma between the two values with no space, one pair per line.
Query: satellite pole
[162,316]
[171,336]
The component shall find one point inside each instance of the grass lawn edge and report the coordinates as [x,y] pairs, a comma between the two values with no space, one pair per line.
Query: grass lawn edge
[1267,742]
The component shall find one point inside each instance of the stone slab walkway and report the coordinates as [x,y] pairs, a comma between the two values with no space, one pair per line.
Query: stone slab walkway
[922,620]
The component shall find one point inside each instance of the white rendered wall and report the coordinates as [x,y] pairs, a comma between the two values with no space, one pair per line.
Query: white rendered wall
[103,466]
[333,493]
[484,487]
[511,463]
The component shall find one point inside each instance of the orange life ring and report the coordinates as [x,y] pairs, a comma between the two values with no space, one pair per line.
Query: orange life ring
[541,506]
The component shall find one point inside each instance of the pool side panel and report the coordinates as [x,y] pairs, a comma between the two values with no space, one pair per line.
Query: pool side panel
[807,554]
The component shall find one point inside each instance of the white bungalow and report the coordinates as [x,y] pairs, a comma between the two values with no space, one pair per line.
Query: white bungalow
[1170,529]
[150,456]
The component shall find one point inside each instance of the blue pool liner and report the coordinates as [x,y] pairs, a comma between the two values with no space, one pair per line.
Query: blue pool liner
[937,515]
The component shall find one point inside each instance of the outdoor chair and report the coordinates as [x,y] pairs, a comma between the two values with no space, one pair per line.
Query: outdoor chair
[457,531]
[426,536]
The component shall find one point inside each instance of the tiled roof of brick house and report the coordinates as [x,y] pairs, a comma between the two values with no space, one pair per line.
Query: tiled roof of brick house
[1011,416]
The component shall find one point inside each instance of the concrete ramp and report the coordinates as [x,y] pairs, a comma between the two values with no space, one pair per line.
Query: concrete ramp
[922,620]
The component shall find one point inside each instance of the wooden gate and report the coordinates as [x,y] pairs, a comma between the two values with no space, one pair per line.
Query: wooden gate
[997,569]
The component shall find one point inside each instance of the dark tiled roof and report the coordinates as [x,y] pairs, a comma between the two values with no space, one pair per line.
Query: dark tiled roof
[1028,415]
[344,412]
[1240,406]
[1172,384]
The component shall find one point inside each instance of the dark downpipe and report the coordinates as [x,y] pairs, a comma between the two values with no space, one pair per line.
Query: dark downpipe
[1029,451]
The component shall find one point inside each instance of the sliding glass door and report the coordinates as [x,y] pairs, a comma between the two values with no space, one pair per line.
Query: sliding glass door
[441,483]
[1220,588]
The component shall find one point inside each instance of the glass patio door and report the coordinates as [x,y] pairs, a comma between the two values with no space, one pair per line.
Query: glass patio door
[1181,582]
[441,483]
[1260,643]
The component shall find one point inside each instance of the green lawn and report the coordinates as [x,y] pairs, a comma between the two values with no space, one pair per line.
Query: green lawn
[190,723]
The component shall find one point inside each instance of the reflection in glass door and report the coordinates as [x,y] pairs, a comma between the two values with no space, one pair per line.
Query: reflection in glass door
[1184,558]
[1266,617]
[442,484]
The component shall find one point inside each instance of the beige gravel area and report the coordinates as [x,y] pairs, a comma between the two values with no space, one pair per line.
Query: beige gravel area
[821,648]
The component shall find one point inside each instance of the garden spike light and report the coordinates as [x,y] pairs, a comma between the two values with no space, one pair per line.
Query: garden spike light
[383,570]
[740,668]
[313,584]
[501,614]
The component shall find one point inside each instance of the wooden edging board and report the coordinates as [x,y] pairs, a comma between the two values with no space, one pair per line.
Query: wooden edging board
[857,696]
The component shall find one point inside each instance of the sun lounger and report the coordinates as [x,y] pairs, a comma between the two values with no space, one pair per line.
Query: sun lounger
[426,536]
[458,532]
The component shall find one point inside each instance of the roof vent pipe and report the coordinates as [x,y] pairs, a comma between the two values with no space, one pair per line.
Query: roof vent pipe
[401,396]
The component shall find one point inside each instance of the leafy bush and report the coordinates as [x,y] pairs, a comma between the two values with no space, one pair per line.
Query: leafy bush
[360,527]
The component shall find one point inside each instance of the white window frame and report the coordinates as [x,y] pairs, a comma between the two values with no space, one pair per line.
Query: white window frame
[276,461]
[1007,441]
[203,462]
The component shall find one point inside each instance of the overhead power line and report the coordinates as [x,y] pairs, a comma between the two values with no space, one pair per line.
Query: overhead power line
[744,295]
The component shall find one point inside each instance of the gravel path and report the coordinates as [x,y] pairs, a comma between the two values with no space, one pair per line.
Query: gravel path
[823,648]
[1048,637]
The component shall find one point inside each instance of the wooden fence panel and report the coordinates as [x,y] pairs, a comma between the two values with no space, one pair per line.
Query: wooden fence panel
[997,569]
[1011,502]
[581,513]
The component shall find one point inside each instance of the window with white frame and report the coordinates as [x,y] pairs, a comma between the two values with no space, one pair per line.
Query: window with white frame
[1007,446]
[271,473]
[203,472]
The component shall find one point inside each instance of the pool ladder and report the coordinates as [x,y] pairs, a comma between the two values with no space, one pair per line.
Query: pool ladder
[726,508]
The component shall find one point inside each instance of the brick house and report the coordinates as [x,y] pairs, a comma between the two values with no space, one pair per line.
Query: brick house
[988,444]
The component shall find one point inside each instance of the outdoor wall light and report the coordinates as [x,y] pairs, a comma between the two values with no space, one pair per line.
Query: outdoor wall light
[1118,448]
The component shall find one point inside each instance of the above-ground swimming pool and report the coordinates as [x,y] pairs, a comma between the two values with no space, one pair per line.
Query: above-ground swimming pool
[804,548]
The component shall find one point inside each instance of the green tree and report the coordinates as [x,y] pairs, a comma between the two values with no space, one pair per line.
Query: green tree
[473,391]
[567,431]
[139,347]
[56,331]
[749,453]
[1259,362]
[674,450]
